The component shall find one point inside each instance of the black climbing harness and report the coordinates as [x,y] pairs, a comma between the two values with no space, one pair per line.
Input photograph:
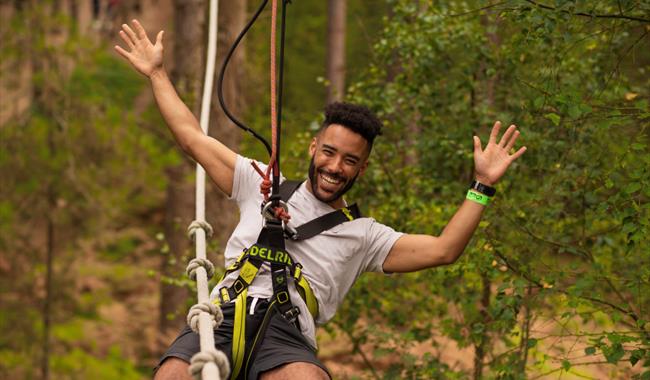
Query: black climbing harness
[270,249]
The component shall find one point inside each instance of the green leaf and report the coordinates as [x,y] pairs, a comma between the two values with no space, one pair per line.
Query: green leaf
[553,117]
[614,353]
[532,342]
[566,365]
[636,356]
[632,187]
[590,350]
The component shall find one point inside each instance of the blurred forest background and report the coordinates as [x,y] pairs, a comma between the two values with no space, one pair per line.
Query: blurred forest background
[95,196]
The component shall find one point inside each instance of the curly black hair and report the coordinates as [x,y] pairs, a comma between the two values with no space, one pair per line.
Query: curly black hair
[355,117]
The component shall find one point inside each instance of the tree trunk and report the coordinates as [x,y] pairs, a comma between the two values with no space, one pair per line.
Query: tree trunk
[481,349]
[187,75]
[40,94]
[336,50]
[49,260]
[221,213]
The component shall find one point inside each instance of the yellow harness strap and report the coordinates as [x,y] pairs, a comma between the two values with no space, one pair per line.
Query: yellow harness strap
[305,291]
[239,334]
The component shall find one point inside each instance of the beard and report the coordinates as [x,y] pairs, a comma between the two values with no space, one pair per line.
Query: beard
[314,184]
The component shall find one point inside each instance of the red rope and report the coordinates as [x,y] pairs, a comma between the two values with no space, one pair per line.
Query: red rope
[267,184]
[274,111]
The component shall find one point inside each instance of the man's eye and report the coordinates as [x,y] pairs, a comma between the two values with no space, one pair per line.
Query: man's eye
[351,162]
[327,152]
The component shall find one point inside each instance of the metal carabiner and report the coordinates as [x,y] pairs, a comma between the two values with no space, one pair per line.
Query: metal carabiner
[268,213]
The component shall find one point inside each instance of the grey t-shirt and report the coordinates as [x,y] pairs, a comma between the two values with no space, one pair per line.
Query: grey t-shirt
[331,261]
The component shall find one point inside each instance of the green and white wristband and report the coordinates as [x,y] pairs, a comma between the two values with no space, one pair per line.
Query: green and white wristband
[477,197]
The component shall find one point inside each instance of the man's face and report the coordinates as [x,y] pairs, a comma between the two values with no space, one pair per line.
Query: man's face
[338,157]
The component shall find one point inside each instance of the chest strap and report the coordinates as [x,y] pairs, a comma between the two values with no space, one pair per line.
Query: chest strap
[320,224]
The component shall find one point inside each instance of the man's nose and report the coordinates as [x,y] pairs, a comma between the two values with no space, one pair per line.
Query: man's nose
[335,165]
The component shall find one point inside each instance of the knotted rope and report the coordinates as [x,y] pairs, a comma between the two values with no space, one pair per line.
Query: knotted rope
[206,307]
[265,189]
[204,317]
[195,264]
[199,224]
[218,358]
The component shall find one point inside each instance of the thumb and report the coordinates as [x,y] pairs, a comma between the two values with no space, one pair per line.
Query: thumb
[477,145]
[159,37]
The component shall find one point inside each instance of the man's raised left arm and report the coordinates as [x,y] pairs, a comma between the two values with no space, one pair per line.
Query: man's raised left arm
[413,252]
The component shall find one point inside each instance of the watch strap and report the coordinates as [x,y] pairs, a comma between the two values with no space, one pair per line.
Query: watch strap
[482,188]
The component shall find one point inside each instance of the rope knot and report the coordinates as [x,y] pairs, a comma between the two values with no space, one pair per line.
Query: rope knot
[204,307]
[202,224]
[211,355]
[282,214]
[265,187]
[194,264]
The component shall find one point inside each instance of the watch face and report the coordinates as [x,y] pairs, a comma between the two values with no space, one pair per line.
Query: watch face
[483,189]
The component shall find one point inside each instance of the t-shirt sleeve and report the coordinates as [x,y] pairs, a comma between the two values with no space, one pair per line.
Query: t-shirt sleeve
[379,241]
[246,181]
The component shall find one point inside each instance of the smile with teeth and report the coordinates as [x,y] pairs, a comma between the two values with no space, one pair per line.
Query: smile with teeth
[329,179]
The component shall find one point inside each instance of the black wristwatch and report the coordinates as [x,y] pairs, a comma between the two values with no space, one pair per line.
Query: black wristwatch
[483,189]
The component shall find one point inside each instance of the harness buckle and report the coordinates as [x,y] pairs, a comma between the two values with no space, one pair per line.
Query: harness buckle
[290,232]
[283,297]
[238,286]
[297,272]
[225,297]
[291,315]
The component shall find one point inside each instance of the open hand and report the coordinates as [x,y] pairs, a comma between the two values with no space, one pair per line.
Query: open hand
[492,162]
[143,55]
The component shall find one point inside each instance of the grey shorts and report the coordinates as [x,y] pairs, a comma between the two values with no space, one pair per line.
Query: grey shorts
[283,342]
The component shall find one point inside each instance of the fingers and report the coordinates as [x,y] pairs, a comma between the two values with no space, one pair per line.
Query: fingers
[127,39]
[511,142]
[139,29]
[507,135]
[518,153]
[495,132]
[123,52]
[130,33]
[477,145]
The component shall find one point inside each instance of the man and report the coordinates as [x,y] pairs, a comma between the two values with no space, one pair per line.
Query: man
[333,259]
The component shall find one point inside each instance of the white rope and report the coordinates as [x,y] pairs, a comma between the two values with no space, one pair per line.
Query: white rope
[195,225]
[207,307]
[195,264]
[204,357]
[204,317]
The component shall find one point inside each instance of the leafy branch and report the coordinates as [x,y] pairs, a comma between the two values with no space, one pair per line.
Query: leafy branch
[591,15]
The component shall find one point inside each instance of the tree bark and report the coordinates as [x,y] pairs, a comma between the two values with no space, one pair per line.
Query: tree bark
[481,346]
[481,349]
[336,50]
[221,213]
[187,75]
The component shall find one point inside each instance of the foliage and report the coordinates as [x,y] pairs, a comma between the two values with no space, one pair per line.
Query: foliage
[555,281]
[566,239]
[66,161]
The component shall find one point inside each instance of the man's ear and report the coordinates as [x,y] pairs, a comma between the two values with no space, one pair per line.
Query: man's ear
[312,147]
[364,166]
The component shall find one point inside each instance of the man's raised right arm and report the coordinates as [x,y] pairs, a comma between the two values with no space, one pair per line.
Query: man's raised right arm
[217,159]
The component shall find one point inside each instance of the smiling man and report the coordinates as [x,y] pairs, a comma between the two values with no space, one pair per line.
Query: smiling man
[323,267]
[340,151]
